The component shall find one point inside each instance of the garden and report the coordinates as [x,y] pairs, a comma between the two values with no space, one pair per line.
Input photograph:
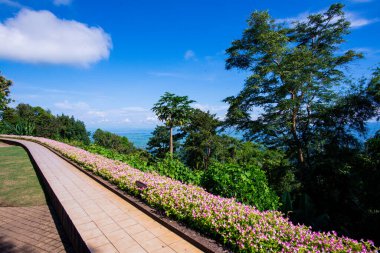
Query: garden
[241,227]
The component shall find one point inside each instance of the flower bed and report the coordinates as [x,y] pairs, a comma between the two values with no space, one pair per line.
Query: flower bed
[241,227]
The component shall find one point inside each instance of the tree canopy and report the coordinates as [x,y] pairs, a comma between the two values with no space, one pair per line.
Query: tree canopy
[202,140]
[34,120]
[5,85]
[174,111]
[294,72]
[112,141]
[314,112]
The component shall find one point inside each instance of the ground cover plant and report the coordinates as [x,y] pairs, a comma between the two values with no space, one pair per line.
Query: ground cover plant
[245,182]
[242,227]
[19,185]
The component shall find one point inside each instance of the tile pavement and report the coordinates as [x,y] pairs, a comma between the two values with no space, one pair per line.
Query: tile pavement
[31,229]
[105,222]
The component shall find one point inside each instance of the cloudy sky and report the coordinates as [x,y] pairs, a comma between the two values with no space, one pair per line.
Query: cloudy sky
[107,63]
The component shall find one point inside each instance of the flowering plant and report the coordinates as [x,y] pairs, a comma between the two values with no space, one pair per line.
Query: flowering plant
[242,227]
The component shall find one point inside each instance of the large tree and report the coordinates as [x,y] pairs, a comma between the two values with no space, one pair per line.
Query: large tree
[313,111]
[373,89]
[294,73]
[201,139]
[158,144]
[174,111]
[5,84]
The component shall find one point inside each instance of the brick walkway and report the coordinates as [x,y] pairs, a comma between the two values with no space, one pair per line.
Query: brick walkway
[104,221]
[31,229]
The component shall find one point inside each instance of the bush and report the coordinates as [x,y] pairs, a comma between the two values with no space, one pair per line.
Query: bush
[139,159]
[248,184]
[113,141]
[174,168]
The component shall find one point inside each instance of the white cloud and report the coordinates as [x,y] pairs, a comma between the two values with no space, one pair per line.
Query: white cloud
[62,2]
[365,50]
[189,55]
[211,108]
[83,111]
[357,21]
[100,117]
[41,37]
[134,109]
[151,120]
[354,18]
[12,3]
[97,113]
[300,17]
[66,105]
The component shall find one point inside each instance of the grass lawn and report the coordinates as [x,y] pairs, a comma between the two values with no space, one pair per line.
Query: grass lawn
[19,185]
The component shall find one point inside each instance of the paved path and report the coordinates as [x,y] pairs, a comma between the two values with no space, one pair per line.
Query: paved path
[31,229]
[105,222]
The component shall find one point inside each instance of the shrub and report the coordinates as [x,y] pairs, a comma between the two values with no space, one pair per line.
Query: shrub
[248,184]
[112,141]
[174,168]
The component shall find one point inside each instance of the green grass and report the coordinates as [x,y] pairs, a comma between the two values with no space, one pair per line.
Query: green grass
[19,185]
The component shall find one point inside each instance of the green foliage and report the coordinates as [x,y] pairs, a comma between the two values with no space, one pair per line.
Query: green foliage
[293,75]
[174,168]
[339,191]
[21,128]
[139,159]
[71,129]
[373,147]
[28,120]
[158,144]
[112,141]
[226,147]
[297,76]
[279,171]
[243,228]
[5,84]
[174,111]
[169,166]
[373,89]
[201,139]
[248,184]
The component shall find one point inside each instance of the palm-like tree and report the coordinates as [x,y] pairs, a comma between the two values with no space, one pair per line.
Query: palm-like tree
[174,111]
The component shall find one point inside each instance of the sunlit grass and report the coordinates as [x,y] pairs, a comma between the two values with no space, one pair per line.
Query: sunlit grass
[19,185]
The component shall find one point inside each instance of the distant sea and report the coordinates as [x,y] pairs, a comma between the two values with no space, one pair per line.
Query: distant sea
[140,137]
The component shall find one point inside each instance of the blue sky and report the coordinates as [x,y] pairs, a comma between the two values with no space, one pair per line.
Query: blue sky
[107,63]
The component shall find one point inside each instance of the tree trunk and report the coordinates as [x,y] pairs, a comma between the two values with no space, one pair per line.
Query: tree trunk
[293,130]
[296,140]
[171,142]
